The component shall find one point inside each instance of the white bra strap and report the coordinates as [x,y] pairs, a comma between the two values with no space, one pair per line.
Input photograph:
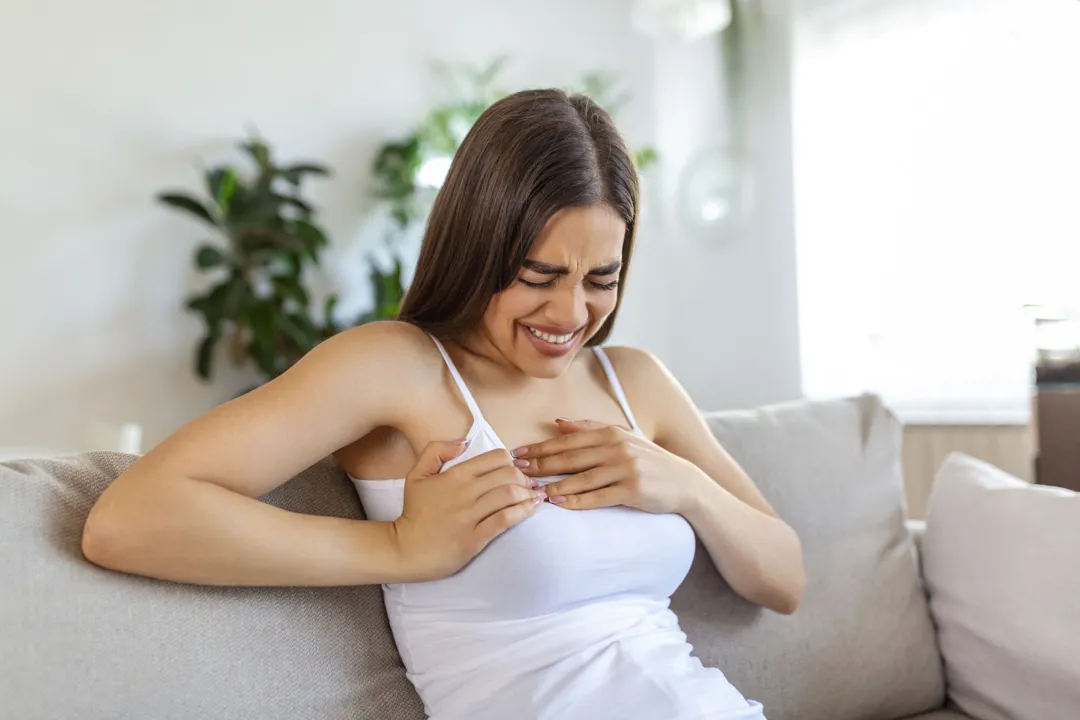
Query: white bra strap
[616,386]
[462,387]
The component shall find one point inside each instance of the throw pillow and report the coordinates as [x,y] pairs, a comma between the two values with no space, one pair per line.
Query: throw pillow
[1002,566]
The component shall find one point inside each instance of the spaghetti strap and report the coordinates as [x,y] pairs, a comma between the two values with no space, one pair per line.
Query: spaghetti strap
[462,387]
[616,386]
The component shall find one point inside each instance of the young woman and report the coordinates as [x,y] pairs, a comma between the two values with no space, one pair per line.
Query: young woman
[552,490]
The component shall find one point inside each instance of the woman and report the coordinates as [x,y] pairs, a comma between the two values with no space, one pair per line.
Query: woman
[503,606]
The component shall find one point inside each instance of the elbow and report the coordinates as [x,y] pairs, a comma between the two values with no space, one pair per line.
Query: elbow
[99,538]
[108,537]
[787,600]
[790,591]
[783,597]
[781,583]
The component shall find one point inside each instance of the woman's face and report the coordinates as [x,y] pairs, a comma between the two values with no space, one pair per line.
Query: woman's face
[565,291]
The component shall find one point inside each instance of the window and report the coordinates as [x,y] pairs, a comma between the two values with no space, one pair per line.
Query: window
[937,191]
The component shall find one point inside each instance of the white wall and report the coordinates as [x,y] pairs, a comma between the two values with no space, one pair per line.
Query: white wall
[106,103]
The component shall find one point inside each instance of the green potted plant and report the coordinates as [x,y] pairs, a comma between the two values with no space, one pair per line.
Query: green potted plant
[266,238]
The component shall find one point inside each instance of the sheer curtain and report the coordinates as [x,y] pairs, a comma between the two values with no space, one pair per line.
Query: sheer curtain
[937,191]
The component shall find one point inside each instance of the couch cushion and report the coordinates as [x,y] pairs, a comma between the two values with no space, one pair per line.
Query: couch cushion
[862,644]
[84,642]
[1002,564]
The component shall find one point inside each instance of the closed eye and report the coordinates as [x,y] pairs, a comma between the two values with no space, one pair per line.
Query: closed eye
[605,286]
[548,283]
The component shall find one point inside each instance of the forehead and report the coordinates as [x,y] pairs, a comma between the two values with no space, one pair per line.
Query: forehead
[592,234]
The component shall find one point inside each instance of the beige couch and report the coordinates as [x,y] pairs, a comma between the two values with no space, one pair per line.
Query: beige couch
[82,642]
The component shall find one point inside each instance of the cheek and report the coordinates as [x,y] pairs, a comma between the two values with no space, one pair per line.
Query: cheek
[511,305]
[603,304]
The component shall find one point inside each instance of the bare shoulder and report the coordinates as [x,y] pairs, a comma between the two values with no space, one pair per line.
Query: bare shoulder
[387,344]
[649,386]
[637,368]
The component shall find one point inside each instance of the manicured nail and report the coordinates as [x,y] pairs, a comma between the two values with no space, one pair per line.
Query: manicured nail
[462,441]
[518,462]
[541,493]
[537,500]
[520,451]
[533,483]
[562,419]
[557,499]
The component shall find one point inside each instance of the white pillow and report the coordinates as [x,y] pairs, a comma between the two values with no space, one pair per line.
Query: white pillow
[1002,566]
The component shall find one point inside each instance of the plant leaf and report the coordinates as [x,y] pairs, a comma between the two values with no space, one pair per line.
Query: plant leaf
[298,331]
[646,157]
[188,204]
[289,288]
[260,317]
[295,173]
[259,152]
[204,355]
[296,202]
[312,238]
[328,312]
[221,184]
[208,256]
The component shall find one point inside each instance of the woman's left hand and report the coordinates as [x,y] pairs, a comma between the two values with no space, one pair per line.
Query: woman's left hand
[608,466]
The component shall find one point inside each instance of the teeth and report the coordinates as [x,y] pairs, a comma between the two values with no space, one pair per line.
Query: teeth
[553,339]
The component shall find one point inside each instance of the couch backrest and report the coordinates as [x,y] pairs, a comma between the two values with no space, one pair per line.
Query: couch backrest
[84,642]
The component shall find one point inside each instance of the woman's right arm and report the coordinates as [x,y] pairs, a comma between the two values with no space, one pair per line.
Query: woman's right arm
[187,510]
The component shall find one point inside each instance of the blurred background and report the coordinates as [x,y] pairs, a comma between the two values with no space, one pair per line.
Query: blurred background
[840,196]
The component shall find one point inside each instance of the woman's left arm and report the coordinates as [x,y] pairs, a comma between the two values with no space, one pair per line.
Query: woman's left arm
[684,469]
[758,553]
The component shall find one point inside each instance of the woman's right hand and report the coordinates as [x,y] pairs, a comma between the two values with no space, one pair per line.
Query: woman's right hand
[449,517]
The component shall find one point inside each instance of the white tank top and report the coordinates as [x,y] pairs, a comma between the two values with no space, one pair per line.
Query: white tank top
[563,617]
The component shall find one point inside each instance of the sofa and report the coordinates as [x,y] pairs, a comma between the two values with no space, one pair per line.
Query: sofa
[83,642]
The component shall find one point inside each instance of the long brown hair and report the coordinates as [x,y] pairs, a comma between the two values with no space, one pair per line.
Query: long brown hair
[528,156]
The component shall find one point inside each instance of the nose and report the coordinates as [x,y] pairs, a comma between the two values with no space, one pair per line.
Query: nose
[568,307]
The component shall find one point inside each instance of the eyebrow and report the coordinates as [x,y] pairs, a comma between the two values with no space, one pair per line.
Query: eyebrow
[548,269]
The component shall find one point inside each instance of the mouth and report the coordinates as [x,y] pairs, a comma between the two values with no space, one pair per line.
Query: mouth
[552,342]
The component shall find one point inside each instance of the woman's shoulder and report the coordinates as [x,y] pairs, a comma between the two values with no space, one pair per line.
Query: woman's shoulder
[635,366]
[651,388]
[390,348]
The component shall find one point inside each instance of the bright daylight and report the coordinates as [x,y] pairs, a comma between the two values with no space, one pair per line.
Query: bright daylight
[566,360]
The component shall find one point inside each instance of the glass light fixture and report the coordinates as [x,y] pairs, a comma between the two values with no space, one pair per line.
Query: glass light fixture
[715,192]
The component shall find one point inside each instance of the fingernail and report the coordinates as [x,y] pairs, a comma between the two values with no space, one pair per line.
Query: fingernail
[462,441]
[518,462]
[520,451]
[557,499]
[533,483]
[562,419]
[541,493]
[537,500]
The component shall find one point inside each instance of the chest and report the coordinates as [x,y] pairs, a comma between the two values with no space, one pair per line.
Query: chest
[559,559]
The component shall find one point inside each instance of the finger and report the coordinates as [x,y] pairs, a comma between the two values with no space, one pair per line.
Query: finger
[501,497]
[604,435]
[566,425]
[485,463]
[502,475]
[496,524]
[609,496]
[433,456]
[571,461]
[584,482]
